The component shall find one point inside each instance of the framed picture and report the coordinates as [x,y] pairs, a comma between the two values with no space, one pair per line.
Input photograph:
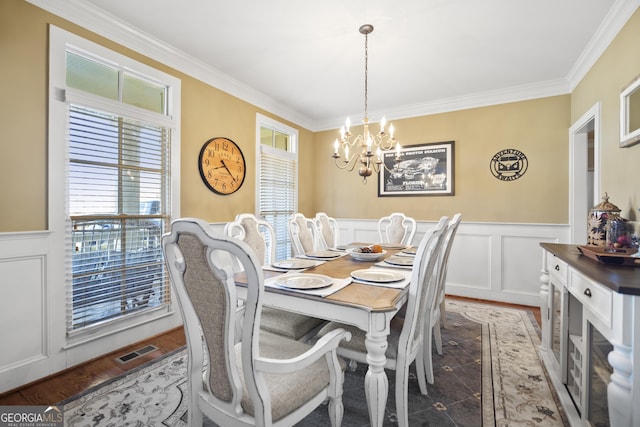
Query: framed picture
[420,170]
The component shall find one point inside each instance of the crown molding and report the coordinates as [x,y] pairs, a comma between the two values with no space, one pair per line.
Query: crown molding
[465,102]
[609,28]
[111,27]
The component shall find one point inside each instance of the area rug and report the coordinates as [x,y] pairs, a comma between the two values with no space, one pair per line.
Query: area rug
[489,375]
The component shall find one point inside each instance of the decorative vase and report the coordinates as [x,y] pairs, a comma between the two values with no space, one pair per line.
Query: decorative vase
[597,221]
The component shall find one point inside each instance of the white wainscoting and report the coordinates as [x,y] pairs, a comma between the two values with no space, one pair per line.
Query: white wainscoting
[498,262]
[33,337]
[491,261]
[23,307]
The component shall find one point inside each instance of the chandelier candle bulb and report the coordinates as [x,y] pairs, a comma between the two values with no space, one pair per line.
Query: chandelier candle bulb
[335,148]
[391,132]
[383,123]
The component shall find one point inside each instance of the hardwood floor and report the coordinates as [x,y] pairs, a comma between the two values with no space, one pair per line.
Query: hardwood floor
[53,389]
[70,382]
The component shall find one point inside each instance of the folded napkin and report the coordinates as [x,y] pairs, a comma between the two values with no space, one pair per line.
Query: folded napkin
[322,292]
[396,285]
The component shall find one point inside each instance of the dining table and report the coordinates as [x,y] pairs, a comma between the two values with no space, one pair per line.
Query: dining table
[368,306]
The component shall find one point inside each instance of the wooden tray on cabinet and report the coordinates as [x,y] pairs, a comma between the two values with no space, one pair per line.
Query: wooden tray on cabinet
[629,257]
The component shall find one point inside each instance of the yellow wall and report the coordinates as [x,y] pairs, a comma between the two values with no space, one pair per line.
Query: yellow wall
[206,112]
[619,64]
[538,128]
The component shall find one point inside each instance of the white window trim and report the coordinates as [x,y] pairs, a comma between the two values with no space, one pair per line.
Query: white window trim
[264,121]
[59,266]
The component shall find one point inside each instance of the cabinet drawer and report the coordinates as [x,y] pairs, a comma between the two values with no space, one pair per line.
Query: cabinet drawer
[594,297]
[557,268]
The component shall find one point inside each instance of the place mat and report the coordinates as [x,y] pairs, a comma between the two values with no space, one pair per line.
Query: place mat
[323,255]
[349,246]
[304,281]
[411,251]
[400,260]
[293,264]
[385,264]
[322,292]
[392,246]
[401,284]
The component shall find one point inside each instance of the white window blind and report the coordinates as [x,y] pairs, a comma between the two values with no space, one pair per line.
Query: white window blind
[278,194]
[117,200]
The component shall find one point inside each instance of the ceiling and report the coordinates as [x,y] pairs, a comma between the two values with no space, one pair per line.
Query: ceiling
[305,60]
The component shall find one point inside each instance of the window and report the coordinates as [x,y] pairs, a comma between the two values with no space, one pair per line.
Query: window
[118,137]
[277,179]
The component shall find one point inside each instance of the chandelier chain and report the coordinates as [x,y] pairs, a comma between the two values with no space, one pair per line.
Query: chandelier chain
[366,76]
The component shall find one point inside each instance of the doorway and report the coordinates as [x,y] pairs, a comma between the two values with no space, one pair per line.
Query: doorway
[584,166]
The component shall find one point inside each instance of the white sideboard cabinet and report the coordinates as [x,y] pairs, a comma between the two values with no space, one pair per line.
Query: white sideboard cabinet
[591,336]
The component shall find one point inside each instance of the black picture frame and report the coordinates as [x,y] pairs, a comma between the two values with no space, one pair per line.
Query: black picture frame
[420,170]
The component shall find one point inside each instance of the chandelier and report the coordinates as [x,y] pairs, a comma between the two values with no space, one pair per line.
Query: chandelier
[368,147]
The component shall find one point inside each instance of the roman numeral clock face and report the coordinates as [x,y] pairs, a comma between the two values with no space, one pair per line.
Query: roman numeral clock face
[222,165]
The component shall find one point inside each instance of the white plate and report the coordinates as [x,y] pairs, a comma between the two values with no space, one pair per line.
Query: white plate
[410,250]
[364,256]
[399,260]
[322,254]
[304,281]
[377,275]
[294,264]
[392,245]
[345,247]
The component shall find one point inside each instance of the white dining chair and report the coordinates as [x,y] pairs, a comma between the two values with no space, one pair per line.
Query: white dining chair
[435,317]
[261,238]
[405,338]
[253,377]
[328,230]
[397,228]
[452,230]
[303,233]
[257,233]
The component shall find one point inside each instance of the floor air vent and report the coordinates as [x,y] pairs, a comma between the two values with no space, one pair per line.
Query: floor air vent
[136,353]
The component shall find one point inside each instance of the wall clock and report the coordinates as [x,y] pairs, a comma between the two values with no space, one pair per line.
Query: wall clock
[222,165]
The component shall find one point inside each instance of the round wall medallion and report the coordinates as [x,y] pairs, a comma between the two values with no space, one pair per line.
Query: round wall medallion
[509,164]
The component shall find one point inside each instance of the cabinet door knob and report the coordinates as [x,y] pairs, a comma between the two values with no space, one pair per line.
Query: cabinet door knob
[557,267]
[587,292]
